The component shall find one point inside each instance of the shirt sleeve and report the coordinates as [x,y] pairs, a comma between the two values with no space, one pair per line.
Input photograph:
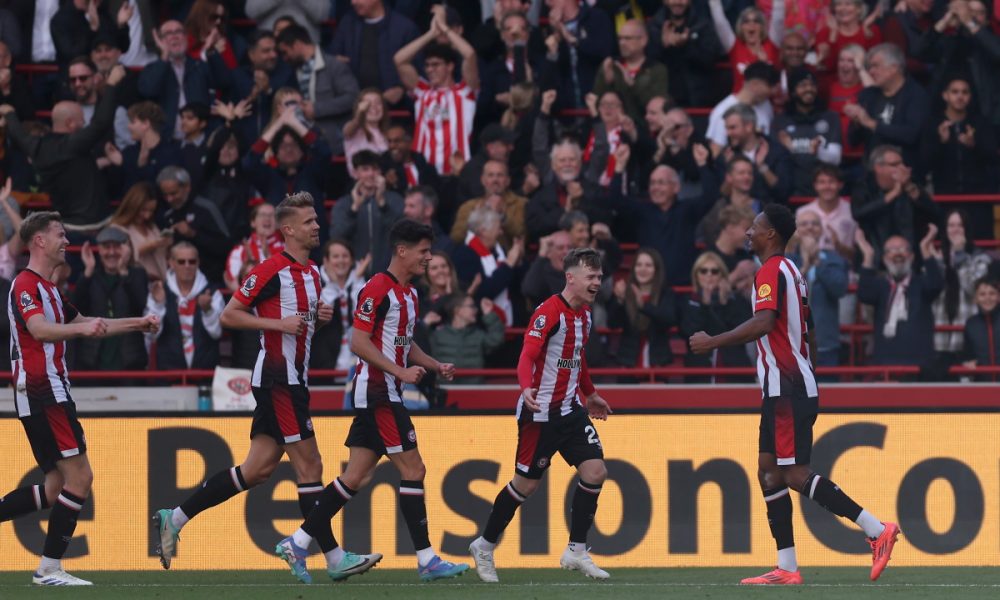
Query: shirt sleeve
[369,301]
[28,299]
[766,288]
[543,323]
[259,285]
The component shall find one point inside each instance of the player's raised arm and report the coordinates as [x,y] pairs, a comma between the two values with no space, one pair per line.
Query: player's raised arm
[754,328]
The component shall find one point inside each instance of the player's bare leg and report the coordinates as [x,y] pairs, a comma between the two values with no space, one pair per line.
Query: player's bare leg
[305,458]
[76,478]
[262,458]
[411,503]
[576,557]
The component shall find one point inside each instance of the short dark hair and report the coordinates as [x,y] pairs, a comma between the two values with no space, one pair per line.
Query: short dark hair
[200,110]
[987,280]
[291,203]
[781,219]
[406,232]
[37,222]
[337,242]
[762,71]
[587,257]
[294,33]
[828,170]
[445,53]
[257,36]
[365,158]
[737,159]
[426,192]
[82,60]
[148,111]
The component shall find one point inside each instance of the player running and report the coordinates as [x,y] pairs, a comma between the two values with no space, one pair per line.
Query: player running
[40,323]
[782,327]
[280,298]
[552,373]
[387,358]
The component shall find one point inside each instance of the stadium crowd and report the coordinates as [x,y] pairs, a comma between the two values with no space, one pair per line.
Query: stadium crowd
[651,130]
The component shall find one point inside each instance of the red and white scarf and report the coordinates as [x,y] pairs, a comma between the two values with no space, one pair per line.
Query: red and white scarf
[490,262]
[614,140]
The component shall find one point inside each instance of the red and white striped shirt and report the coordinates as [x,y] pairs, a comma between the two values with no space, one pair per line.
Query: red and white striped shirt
[41,376]
[784,367]
[387,314]
[258,251]
[277,288]
[554,342]
[443,122]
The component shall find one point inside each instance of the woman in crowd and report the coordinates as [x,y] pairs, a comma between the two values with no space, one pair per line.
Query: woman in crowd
[643,307]
[206,29]
[714,307]
[848,24]
[136,215]
[367,128]
[438,283]
[342,282]
[963,265]
[750,42]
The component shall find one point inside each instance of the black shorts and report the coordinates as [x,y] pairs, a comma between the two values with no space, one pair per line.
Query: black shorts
[54,433]
[573,436]
[282,413]
[786,424]
[384,428]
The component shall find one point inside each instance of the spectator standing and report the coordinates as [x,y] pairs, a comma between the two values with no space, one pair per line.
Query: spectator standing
[264,242]
[580,39]
[902,299]
[634,77]
[564,189]
[367,39]
[889,203]
[643,306]
[13,88]
[482,256]
[837,226]
[84,82]
[144,159]
[136,217]
[176,79]
[327,85]
[463,339]
[111,288]
[848,24]
[893,111]
[826,272]
[195,219]
[809,131]
[509,65]
[499,197]
[365,215]
[675,149]
[257,81]
[753,40]
[223,181]
[844,90]
[12,245]
[79,21]
[367,128]
[962,265]
[907,27]
[982,331]
[773,166]
[206,30]
[189,309]
[66,169]
[141,27]
[194,123]
[310,14]
[759,80]
[403,167]
[546,270]
[444,109]
[713,307]
[683,38]
[496,143]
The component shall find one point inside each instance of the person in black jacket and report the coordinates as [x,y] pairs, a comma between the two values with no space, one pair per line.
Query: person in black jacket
[78,22]
[110,287]
[195,219]
[189,308]
[684,39]
[222,175]
[643,307]
[713,307]
[982,331]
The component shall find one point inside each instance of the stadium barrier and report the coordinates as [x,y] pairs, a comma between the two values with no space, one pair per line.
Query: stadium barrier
[681,492]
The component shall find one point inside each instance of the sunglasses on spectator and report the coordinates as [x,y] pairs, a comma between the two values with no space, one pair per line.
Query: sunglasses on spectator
[186,261]
[709,271]
[75,78]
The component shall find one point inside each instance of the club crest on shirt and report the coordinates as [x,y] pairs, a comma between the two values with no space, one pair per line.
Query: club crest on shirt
[26,302]
[249,285]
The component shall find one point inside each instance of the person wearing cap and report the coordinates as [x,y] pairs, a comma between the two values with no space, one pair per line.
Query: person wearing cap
[110,287]
[105,54]
[495,143]
[807,129]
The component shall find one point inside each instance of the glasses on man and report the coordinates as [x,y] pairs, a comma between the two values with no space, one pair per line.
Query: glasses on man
[76,78]
[186,261]
[709,271]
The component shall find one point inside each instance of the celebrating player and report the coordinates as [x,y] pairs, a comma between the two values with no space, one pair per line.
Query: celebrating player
[40,324]
[280,298]
[780,325]
[551,371]
[387,358]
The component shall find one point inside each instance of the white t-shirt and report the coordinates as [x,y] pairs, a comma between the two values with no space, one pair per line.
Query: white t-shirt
[717,127]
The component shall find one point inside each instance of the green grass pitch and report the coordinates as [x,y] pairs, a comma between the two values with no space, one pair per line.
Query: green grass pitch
[521,584]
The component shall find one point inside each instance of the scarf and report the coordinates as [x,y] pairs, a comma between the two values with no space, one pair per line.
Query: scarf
[897,306]
[490,262]
[186,307]
[614,140]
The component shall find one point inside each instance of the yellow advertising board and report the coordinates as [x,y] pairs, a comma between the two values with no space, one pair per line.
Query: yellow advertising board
[682,492]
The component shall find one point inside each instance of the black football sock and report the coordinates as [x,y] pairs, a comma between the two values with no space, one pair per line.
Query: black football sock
[504,507]
[22,501]
[826,493]
[411,503]
[62,524]
[583,511]
[333,498]
[309,495]
[214,491]
[779,516]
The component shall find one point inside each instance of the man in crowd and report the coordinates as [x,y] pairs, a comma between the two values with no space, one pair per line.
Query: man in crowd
[497,195]
[258,80]
[634,77]
[545,275]
[759,80]
[809,131]
[420,204]
[403,167]
[581,38]
[683,38]
[837,225]
[196,220]
[563,191]
[84,82]
[772,163]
